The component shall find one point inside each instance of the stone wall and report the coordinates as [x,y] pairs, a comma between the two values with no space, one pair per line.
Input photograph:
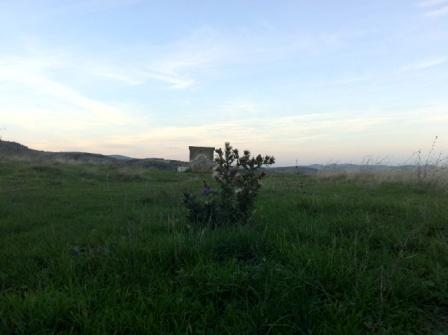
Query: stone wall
[201,158]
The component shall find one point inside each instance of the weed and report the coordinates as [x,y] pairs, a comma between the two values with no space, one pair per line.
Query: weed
[238,179]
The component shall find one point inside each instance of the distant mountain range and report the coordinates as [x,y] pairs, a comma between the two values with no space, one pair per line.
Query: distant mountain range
[13,150]
[348,168]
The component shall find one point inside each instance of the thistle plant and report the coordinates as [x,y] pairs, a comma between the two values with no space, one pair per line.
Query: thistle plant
[238,178]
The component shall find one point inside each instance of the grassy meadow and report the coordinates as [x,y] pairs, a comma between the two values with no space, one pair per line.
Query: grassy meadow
[98,249]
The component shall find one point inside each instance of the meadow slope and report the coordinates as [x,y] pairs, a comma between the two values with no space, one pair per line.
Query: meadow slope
[87,249]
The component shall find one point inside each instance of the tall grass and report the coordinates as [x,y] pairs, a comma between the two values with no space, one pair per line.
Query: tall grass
[423,169]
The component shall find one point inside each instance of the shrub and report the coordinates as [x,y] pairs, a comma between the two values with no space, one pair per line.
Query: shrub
[238,178]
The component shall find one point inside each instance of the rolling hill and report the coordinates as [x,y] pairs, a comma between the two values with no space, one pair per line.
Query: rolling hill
[17,151]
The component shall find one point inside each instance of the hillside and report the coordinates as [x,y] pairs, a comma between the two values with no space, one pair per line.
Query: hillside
[341,168]
[14,151]
[17,151]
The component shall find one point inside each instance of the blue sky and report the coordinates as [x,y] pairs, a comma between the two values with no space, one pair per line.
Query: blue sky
[314,81]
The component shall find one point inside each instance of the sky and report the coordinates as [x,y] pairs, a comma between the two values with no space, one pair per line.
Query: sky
[308,81]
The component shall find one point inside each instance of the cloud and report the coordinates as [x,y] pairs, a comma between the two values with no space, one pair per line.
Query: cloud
[204,52]
[201,55]
[434,8]
[264,132]
[330,135]
[179,64]
[34,74]
[431,3]
[442,11]
[135,78]
[62,7]
[424,64]
[312,137]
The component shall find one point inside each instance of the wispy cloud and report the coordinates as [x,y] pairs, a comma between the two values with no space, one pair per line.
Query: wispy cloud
[270,133]
[442,11]
[61,7]
[431,3]
[133,77]
[179,64]
[34,74]
[423,64]
[434,8]
[205,52]
[331,135]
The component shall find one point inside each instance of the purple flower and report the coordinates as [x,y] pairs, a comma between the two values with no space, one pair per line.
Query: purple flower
[206,190]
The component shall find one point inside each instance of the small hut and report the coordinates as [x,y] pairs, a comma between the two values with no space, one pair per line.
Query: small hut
[201,158]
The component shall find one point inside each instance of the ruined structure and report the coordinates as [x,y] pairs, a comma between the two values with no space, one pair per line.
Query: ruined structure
[201,158]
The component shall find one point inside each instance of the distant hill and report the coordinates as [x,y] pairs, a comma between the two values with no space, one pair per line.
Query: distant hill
[294,169]
[120,157]
[9,149]
[14,151]
[341,168]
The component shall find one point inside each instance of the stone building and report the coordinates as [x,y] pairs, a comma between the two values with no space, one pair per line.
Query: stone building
[201,158]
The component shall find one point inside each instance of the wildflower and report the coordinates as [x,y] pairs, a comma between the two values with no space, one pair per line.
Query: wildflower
[206,190]
[238,180]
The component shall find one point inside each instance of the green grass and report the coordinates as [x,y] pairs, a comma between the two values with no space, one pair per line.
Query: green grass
[104,250]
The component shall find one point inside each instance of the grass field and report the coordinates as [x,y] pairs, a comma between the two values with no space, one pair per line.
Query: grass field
[106,250]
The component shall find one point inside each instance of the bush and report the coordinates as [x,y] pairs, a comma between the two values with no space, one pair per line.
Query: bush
[238,179]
